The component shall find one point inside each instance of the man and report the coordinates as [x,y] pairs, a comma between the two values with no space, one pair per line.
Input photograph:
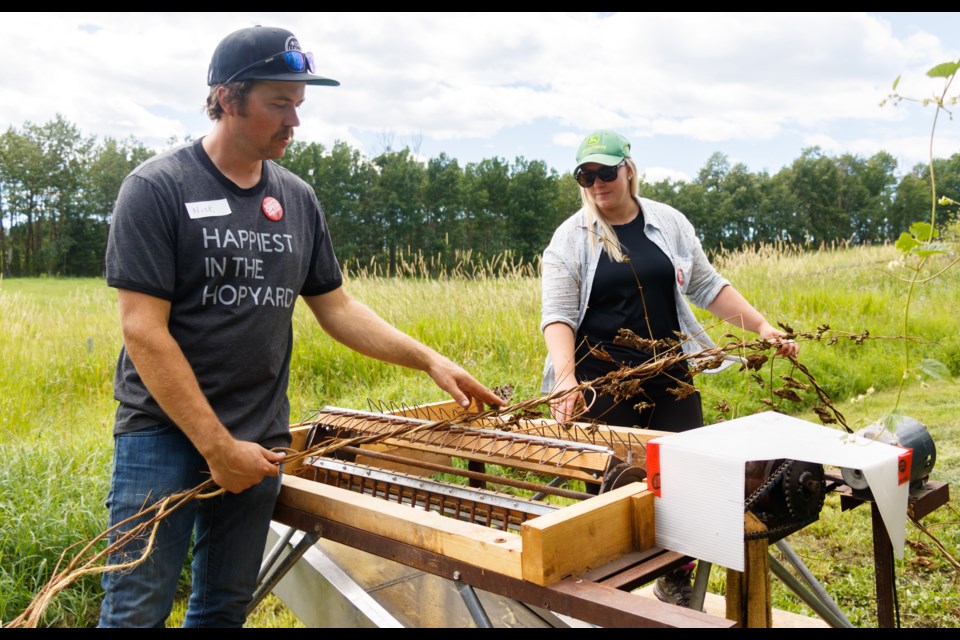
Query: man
[210,246]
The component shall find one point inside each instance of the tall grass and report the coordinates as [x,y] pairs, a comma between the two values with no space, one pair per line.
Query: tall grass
[460,265]
[60,341]
[853,291]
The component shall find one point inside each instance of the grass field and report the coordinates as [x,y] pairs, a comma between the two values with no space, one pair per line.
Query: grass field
[60,341]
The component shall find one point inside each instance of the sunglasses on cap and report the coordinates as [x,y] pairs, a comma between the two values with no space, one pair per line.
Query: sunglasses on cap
[586,178]
[296,61]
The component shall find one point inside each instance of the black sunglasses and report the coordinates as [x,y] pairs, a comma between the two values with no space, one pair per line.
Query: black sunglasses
[296,61]
[607,174]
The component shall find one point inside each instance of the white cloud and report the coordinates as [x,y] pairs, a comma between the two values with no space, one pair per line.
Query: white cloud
[458,79]
[656,174]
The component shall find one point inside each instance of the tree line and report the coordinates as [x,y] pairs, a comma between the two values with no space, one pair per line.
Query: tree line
[57,189]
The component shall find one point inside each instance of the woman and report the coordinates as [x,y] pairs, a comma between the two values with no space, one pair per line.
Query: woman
[653,261]
[623,261]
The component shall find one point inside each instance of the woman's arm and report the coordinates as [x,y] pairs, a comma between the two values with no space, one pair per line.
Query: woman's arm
[559,338]
[732,307]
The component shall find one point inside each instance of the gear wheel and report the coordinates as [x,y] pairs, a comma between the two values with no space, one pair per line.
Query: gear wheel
[786,495]
[621,474]
[803,490]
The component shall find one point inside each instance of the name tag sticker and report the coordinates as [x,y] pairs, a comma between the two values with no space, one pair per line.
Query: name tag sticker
[207,209]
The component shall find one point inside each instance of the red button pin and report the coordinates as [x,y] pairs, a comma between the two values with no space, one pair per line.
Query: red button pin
[679,276]
[272,209]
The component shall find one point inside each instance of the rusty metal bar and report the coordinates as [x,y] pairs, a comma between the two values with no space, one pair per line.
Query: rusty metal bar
[474,475]
[458,432]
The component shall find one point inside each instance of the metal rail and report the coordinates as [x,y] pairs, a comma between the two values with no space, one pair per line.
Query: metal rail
[541,489]
[491,442]
[478,506]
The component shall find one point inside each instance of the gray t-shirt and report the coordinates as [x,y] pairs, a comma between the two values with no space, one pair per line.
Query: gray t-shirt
[232,263]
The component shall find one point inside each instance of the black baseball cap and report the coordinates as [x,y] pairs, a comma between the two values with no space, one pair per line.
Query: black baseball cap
[262,53]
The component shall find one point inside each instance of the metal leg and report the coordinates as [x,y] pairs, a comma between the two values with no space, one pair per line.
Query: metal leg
[811,600]
[268,582]
[700,580]
[473,603]
[274,554]
[817,589]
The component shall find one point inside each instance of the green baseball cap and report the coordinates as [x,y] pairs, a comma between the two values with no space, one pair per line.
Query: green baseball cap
[603,147]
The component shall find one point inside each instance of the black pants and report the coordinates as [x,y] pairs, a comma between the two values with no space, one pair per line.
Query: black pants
[667,414]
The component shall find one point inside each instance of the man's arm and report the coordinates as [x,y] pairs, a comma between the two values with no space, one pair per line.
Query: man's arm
[235,465]
[358,327]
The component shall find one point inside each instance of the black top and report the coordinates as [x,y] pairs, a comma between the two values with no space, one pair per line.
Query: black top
[636,294]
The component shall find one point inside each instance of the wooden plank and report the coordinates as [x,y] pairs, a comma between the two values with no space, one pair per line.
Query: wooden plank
[299,443]
[585,535]
[550,547]
[443,410]
[631,578]
[655,613]
[500,551]
[748,595]
[643,521]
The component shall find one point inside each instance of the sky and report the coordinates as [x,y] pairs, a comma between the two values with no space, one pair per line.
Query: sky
[758,88]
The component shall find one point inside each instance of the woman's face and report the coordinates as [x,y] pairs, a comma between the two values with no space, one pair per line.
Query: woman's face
[608,196]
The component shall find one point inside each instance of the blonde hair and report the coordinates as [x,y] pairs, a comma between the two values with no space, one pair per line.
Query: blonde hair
[607,236]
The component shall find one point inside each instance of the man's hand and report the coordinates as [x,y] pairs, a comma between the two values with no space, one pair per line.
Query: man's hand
[238,465]
[355,325]
[461,386]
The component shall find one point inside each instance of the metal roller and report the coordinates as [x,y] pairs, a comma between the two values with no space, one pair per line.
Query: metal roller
[908,434]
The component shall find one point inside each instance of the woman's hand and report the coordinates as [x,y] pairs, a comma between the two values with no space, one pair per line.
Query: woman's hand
[567,407]
[785,347]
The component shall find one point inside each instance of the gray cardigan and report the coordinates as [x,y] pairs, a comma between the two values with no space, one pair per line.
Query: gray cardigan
[569,265]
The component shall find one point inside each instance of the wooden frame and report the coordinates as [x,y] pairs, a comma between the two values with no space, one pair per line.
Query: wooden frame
[570,541]
[581,560]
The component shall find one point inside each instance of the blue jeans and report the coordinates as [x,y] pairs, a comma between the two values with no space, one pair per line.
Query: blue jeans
[230,532]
